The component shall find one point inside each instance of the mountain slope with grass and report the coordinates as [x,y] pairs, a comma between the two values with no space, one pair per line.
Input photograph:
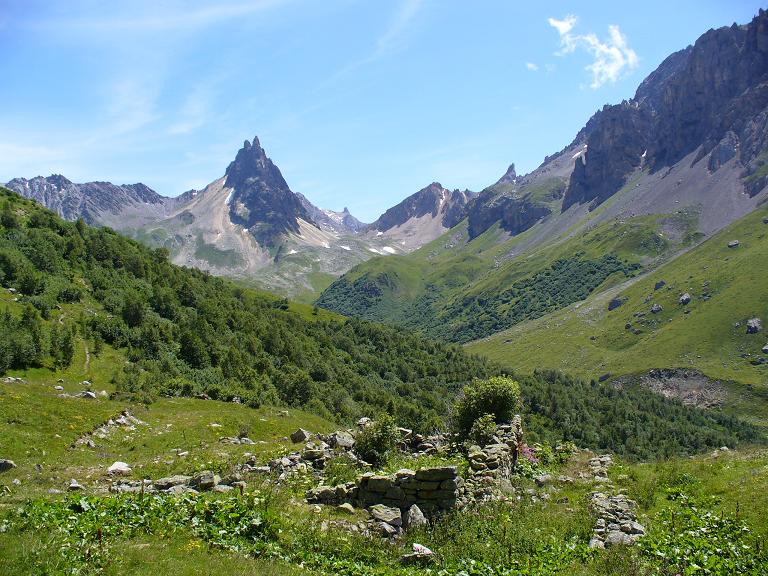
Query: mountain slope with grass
[703,302]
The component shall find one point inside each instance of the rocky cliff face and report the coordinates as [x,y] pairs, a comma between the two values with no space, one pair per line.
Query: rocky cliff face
[94,202]
[711,97]
[449,207]
[261,200]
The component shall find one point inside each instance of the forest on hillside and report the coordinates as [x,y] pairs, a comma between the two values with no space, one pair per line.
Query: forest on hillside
[184,332]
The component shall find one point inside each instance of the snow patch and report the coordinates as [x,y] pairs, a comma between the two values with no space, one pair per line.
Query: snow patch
[644,154]
[379,233]
[374,250]
[229,197]
[293,252]
[389,250]
[345,247]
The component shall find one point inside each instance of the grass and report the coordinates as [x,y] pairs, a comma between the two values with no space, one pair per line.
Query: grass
[40,428]
[728,286]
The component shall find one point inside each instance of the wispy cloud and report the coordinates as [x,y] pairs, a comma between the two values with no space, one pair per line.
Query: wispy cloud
[153,17]
[194,112]
[131,105]
[531,66]
[611,57]
[392,36]
[389,41]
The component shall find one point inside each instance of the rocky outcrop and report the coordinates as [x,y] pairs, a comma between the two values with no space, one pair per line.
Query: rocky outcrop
[261,200]
[515,215]
[712,97]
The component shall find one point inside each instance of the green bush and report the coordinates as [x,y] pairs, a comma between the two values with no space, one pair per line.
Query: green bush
[483,430]
[377,441]
[498,396]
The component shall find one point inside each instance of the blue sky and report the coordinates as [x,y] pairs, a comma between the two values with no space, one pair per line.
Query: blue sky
[360,103]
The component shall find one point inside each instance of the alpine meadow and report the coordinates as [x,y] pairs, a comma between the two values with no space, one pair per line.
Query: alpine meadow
[562,371]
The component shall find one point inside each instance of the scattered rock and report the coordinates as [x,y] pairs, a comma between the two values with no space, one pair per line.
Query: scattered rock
[119,468]
[765,349]
[75,486]
[421,556]
[659,285]
[754,325]
[6,465]
[87,394]
[346,507]
[733,244]
[685,299]
[171,481]
[656,308]
[615,303]
[205,480]
[542,479]
[300,435]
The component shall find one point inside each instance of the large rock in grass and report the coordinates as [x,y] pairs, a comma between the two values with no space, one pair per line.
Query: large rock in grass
[119,468]
[754,325]
[685,299]
[414,517]
[391,516]
[171,481]
[342,439]
[205,480]
[6,465]
[300,435]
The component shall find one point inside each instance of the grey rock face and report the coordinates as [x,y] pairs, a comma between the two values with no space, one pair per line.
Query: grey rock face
[708,97]
[754,325]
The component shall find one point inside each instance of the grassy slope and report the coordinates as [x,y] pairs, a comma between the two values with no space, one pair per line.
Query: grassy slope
[585,339]
[429,288]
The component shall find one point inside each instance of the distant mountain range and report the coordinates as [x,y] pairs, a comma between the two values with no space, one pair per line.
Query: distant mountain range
[693,142]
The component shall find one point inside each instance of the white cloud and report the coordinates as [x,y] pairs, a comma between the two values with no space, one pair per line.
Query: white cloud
[610,57]
[531,66]
[563,26]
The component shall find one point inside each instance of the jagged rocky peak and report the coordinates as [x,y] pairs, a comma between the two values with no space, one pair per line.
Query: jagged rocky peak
[710,98]
[510,176]
[261,200]
[434,200]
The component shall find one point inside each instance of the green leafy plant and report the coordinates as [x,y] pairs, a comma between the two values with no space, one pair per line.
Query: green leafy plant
[483,430]
[498,396]
[378,441]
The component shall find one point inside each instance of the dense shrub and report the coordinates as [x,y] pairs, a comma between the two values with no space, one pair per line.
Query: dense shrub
[498,396]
